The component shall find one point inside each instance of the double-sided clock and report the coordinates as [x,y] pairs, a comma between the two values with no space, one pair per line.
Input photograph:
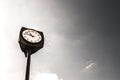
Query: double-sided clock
[30,40]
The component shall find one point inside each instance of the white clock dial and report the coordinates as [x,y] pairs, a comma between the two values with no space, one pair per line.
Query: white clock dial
[31,36]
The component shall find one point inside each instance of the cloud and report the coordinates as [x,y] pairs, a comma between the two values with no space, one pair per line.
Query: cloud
[90,64]
[45,76]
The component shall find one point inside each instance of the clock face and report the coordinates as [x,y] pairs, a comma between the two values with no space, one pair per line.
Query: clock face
[31,36]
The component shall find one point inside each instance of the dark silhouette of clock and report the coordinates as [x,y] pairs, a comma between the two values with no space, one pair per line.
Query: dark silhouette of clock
[30,40]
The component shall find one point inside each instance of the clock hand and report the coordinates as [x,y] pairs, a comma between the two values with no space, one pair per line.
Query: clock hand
[30,35]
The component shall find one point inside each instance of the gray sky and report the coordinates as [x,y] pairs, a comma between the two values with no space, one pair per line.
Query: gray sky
[81,39]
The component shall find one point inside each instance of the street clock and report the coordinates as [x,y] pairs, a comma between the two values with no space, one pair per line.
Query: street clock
[30,40]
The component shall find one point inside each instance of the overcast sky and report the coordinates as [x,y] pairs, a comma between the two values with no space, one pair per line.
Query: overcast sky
[82,39]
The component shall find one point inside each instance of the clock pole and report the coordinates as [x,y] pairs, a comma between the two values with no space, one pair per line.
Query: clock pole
[28,66]
[28,46]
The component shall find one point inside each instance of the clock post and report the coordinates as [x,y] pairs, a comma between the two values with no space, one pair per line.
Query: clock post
[28,66]
[30,41]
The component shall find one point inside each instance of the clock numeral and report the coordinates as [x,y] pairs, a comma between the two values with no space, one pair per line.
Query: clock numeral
[25,37]
[38,39]
[26,33]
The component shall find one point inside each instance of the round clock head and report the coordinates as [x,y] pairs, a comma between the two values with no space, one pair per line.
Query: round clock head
[31,36]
